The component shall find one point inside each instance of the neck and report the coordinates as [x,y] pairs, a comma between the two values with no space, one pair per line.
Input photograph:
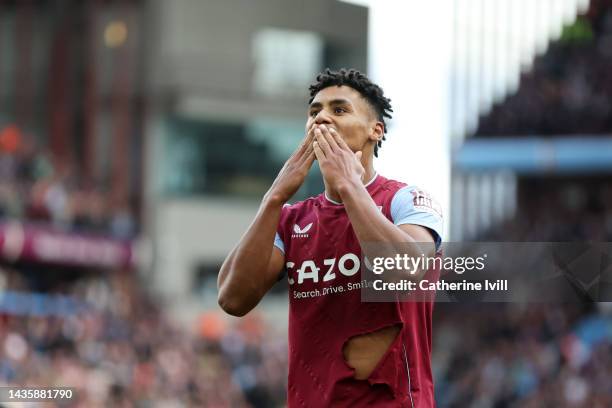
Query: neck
[332,194]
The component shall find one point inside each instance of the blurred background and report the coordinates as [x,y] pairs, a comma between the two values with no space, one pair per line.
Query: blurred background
[138,136]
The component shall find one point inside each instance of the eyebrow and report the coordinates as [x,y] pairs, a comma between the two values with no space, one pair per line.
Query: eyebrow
[333,102]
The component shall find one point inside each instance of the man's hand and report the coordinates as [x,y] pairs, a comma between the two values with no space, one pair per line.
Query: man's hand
[339,165]
[294,172]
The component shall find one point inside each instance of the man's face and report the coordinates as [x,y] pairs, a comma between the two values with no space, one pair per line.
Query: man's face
[344,109]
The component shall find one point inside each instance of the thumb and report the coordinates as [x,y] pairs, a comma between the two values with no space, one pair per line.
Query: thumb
[358,155]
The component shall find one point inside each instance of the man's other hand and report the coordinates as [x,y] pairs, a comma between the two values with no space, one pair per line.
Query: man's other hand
[294,172]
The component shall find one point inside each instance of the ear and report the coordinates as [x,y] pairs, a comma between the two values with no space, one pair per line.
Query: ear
[377,131]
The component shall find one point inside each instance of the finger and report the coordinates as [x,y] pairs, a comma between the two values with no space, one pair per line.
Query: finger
[306,145]
[339,140]
[318,152]
[330,138]
[307,142]
[308,158]
[311,131]
[322,142]
[308,139]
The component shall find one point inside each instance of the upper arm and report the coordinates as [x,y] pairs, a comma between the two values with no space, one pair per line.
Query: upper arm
[417,214]
[243,279]
[275,266]
[421,235]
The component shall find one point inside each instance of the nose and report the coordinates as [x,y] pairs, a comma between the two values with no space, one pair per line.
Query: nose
[322,117]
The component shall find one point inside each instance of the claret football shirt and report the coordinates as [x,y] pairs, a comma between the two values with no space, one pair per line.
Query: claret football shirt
[322,262]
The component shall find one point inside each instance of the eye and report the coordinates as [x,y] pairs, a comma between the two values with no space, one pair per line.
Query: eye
[313,113]
[339,110]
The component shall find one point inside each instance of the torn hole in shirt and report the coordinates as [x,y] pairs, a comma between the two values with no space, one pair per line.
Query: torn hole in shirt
[367,354]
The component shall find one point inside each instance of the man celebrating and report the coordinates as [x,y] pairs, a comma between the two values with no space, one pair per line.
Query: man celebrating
[342,351]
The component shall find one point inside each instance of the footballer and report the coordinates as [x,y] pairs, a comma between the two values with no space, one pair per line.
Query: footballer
[342,352]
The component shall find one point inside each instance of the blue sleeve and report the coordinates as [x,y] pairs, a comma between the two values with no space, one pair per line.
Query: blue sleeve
[410,205]
[278,242]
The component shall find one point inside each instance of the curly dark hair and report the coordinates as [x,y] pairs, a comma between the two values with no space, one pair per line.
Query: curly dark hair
[362,84]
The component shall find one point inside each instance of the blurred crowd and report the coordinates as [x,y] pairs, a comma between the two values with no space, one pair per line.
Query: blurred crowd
[37,187]
[568,90]
[542,355]
[531,355]
[123,351]
[119,348]
[582,211]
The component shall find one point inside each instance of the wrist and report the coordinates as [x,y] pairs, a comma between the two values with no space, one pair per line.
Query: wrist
[349,187]
[274,199]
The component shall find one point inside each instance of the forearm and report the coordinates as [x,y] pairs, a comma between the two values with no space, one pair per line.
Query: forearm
[369,223]
[378,236]
[242,280]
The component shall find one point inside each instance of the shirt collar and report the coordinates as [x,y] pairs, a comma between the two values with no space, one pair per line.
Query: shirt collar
[366,186]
